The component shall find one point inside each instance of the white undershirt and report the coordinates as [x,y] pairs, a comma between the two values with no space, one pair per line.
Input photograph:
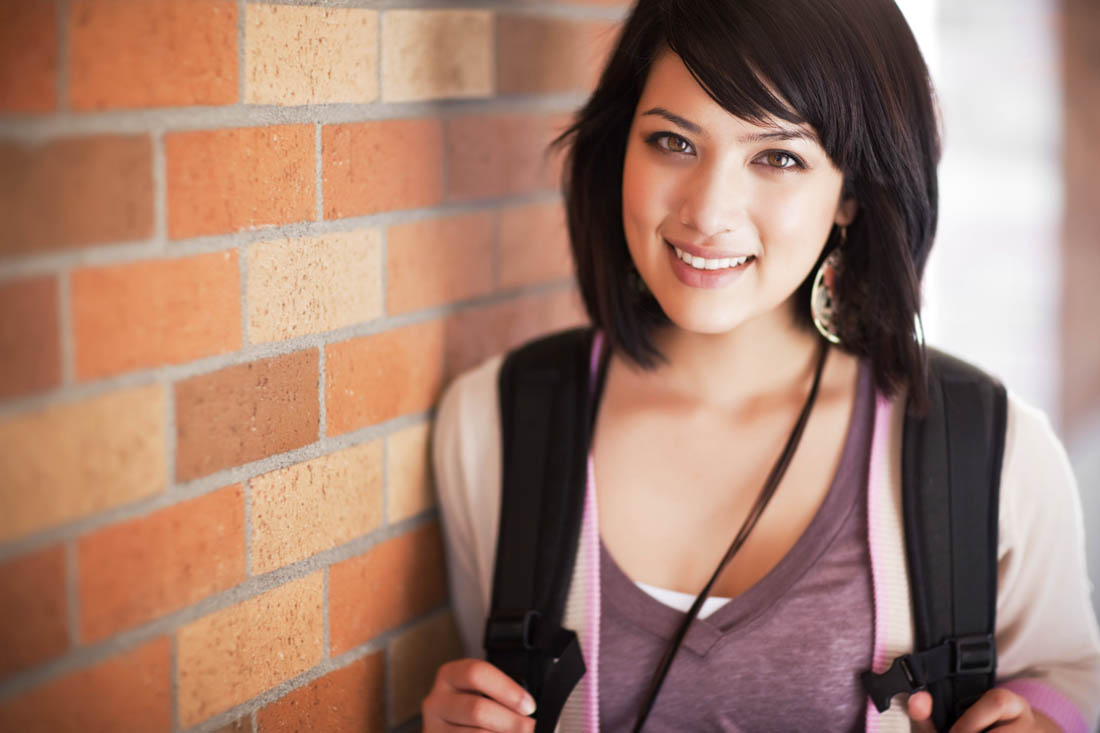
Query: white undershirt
[682,601]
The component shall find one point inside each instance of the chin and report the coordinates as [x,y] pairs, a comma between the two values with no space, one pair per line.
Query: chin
[701,319]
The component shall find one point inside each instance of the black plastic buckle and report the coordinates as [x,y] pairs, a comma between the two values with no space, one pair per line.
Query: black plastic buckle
[974,654]
[511,631]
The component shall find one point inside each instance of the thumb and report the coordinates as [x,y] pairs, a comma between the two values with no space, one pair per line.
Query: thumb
[920,712]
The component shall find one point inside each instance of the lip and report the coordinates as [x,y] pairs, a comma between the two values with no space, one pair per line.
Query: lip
[706,279]
[707,253]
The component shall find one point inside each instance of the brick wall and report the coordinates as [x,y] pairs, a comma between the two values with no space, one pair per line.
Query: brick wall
[245,246]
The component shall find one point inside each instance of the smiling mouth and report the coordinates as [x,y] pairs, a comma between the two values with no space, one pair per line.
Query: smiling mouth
[702,263]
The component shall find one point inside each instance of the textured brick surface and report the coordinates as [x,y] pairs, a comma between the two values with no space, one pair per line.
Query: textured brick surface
[137,571]
[244,178]
[28,56]
[408,467]
[313,284]
[70,460]
[234,654]
[392,583]
[347,700]
[30,345]
[145,314]
[534,245]
[539,55]
[377,378]
[437,261]
[303,509]
[32,596]
[382,166]
[429,54]
[415,656]
[240,725]
[74,192]
[246,412]
[495,155]
[310,55]
[154,53]
[128,692]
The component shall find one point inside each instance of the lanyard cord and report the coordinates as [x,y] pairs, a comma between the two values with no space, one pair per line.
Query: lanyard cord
[766,493]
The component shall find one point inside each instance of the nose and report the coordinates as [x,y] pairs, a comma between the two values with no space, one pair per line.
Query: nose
[712,200]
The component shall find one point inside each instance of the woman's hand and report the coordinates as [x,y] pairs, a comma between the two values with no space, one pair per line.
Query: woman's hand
[473,694]
[998,708]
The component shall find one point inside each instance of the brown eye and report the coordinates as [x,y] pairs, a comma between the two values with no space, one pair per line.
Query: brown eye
[678,144]
[779,159]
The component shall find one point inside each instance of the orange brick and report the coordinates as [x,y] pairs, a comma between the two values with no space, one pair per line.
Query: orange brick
[348,700]
[377,378]
[415,657]
[392,583]
[235,654]
[144,314]
[437,261]
[382,166]
[32,596]
[28,56]
[75,192]
[227,180]
[136,571]
[246,412]
[534,245]
[154,53]
[71,460]
[131,691]
[495,155]
[30,344]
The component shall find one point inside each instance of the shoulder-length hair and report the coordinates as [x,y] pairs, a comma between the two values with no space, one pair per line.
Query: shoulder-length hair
[852,70]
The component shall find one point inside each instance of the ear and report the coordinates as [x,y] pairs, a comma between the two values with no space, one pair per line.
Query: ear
[846,212]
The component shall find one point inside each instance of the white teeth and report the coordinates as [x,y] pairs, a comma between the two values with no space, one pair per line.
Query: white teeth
[700,263]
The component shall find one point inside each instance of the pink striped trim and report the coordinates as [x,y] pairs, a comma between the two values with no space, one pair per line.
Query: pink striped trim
[1049,702]
[876,472]
[590,541]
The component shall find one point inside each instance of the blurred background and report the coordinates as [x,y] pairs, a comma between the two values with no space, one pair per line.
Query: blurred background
[246,244]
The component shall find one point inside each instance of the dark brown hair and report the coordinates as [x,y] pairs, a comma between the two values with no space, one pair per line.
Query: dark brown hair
[850,69]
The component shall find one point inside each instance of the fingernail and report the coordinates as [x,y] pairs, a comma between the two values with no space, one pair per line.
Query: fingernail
[527,705]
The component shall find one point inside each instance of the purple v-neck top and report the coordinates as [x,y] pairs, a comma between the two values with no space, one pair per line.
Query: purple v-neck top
[784,655]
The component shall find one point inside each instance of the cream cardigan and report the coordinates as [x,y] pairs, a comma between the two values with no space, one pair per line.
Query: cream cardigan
[1047,638]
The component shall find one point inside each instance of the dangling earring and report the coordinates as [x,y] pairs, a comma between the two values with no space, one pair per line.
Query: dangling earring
[823,293]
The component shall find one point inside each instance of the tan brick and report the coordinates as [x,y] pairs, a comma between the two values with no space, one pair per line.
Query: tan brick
[303,509]
[227,180]
[145,314]
[534,245]
[137,571]
[392,583]
[32,596]
[377,378]
[408,467]
[496,155]
[235,654]
[30,342]
[313,284]
[68,461]
[347,700]
[382,166]
[131,691]
[28,56]
[75,192]
[538,54]
[154,53]
[246,412]
[415,656]
[437,261]
[310,55]
[431,54]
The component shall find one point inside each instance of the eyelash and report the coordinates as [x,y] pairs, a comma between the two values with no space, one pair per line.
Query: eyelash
[655,141]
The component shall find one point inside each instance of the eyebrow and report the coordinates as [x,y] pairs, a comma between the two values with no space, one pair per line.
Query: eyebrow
[780,133]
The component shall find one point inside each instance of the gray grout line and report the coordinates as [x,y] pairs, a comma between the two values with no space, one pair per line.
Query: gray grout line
[494,252]
[319,173]
[160,190]
[242,275]
[170,457]
[175,668]
[253,720]
[242,60]
[72,593]
[65,328]
[62,7]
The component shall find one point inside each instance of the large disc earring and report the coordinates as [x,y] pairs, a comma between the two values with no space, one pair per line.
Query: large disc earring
[823,297]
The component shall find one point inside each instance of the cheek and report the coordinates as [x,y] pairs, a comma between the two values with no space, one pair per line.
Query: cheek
[803,215]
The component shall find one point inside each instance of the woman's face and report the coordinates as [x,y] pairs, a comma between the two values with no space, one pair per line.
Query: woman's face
[752,205]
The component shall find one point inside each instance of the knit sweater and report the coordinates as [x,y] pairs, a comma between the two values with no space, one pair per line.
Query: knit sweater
[1048,643]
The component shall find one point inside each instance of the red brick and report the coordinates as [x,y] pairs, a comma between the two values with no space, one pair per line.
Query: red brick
[145,314]
[348,700]
[134,572]
[382,166]
[131,692]
[75,192]
[495,155]
[246,412]
[154,53]
[28,56]
[392,583]
[534,245]
[437,261]
[30,344]
[377,378]
[227,180]
[32,596]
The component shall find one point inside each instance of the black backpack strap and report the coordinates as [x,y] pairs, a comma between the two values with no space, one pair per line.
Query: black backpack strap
[951,472]
[545,412]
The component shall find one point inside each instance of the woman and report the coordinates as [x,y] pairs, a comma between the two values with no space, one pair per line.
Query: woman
[734,152]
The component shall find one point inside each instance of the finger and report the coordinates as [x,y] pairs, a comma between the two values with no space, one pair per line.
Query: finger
[468,710]
[996,706]
[476,675]
[920,712]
